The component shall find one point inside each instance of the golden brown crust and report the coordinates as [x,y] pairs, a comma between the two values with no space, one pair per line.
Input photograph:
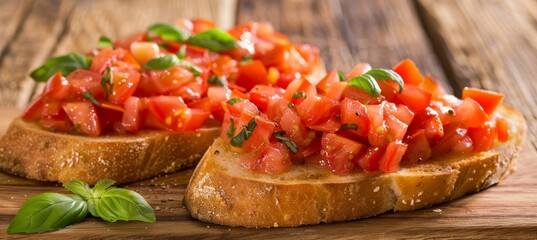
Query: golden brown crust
[222,192]
[29,151]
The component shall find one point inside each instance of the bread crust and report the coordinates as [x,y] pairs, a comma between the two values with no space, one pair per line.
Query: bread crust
[29,151]
[222,192]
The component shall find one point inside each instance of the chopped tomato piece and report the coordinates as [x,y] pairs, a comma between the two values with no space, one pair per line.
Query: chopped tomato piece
[144,51]
[57,87]
[354,112]
[202,25]
[294,129]
[272,159]
[84,117]
[430,85]
[453,133]
[415,98]
[418,148]
[488,100]
[410,73]
[336,90]
[314,110]
[82,80]
[328,80]
[108,57]
[470,113]
[483,137]
[252,74]
[260,95]
[503,130]
[260,135]
[358,70]
[370,160]
[125,83]
[300,86]
[34,110]
[339,152]
[132,118]
[378,131]
[392,157]
[172,113]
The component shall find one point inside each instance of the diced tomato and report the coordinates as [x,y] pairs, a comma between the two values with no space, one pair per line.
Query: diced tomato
[84,117]
[125,83]
[34,110]
[126,44]
[339,152]
[144,51]
[389,89]
[430,85]
[261,133]
[294,129]
[470,113]
[483,137]
[202,25]
[370,160]
[285,78]
[172,113]
[202,104]
[354,112]
[314,110]
[488,100]
[160,82]
[453,133]
[82,80]
[392,157]
[240,106]
[429,120]
[302,86]
[362,96]
[216,96]
[358,70]
[107,57]
[503,130]
[260,95]
[57,87]
[55,124]
[418,148]
[224,66]
[464,145]
[272,159]
[252,74]
[133,117]
[415,98]
[409,72]
[336,90]
[227,132]
[378,131]
[327,81]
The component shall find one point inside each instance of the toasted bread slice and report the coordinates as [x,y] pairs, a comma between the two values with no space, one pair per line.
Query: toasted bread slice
[29,151]
[220,191]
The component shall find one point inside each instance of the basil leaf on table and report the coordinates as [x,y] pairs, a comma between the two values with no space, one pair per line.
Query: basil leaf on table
[101,186]
[79,188]
[386,74]
[214,39]
[48,212]
[122,204]
[169,32]
[65,64]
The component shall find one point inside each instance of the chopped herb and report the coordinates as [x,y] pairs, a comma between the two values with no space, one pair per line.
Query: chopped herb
[244,134]
[246,60]
[105,41]
[291,105]
[182,52]
[163,45]
[65,64]
[341,75]
[107,82]
[286,141]
[161,63]
[231,132]
[214,39]
[90,97]
[298,95]
[215,80]
[347,126]
[233,101]
[169,32]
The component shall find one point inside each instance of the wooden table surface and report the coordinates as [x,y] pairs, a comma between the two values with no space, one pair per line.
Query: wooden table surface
[490,44]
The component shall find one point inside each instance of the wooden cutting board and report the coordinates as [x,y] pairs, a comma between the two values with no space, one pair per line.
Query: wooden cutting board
[508,210]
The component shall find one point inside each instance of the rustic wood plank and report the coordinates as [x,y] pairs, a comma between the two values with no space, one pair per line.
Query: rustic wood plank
[32,45]
[116,19]
[13,14]
[348,31]
[491,45]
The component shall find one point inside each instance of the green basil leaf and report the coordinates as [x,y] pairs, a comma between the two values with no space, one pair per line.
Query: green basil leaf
[232,101]
[79,188]
[101,186]
[231,132]
[65,64]
[91,98]
[214,39]
[48,212]
[161,63]
[107,82]
[215,80]
[386,74]
[169,32]
[104,42]
[298,95]
[366,83]
[122,204]
[347,126]
[196,71]
[286,141]
[342,77]
[244,134]
[182,52]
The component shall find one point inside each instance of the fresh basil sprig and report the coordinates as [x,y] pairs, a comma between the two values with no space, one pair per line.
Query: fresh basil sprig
[65,64]
[104,42]
[107,82]
[169,32]
[170,60]
[214,39]
[231,132]
[244,134]
[90,97]
[52,211]
[341,75]
[368,80]
[286,141]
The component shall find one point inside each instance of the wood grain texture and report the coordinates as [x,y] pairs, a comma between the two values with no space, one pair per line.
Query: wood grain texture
[349,31]
[481,46]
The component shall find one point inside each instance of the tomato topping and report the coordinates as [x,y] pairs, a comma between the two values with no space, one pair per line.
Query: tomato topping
[354,112]
[273,159]
[84,117]
[471,114]
[418,148]
[414,98]
[339,152]
[370,161]
[483,137]
[410,73]
[252,74]
[488,100]
[503,131]
[394,153]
